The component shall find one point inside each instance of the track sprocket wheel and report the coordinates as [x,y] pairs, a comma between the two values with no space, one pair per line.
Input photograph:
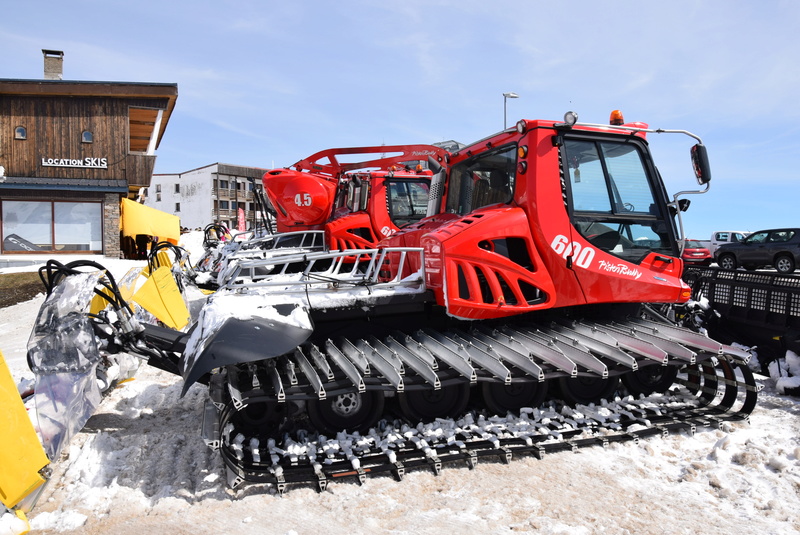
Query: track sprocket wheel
[427,405]
[585,390]
[351,411]
[650,379]
[502,399]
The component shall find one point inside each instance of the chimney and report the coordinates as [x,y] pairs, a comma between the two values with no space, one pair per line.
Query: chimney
[53,64]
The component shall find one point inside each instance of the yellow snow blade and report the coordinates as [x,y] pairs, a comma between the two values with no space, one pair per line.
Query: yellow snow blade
[126,286]
[160,296]
[162,259]
[21,454]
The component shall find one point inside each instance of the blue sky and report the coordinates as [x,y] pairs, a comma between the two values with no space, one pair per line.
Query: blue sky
[266,83]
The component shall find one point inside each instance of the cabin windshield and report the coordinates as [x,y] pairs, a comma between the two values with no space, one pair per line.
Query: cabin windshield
[612,199]
[407,200]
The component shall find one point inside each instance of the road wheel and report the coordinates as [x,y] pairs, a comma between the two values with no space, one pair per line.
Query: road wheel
[501,398]
[650,379]
[585,390]
[428,404]
[784,264]
[258,416]
[351,411]
[727,261]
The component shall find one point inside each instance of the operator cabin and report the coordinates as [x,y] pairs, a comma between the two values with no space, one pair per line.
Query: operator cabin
[70,151]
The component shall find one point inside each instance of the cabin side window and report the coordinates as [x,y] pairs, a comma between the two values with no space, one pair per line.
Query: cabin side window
[483,180]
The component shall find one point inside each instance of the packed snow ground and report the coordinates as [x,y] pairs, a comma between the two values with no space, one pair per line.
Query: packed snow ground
[139,465]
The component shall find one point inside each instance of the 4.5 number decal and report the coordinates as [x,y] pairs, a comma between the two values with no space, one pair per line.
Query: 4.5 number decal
[302,199]
[581,256]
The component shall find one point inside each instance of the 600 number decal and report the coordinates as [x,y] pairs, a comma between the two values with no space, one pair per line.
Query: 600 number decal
[581,256]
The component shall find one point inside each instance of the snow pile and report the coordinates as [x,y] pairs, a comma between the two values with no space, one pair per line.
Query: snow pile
[786,372]
[140,465]
[11,524]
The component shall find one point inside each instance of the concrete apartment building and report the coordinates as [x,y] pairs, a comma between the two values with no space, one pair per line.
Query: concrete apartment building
[211,194]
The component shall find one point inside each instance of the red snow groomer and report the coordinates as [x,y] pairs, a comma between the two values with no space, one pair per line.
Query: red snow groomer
[356,202]
[546,254]
[323,202]
[543,280]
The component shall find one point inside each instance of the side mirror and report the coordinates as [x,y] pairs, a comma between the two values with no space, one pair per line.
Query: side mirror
[702,170]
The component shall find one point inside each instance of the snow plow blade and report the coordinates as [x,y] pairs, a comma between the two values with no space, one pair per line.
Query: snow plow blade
[21,454]
[220,341]
[160,296]
[154,289]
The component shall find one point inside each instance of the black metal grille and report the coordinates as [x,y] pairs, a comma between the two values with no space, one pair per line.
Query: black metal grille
[758,299]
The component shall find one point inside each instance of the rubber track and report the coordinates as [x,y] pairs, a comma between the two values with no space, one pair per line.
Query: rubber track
[712,391]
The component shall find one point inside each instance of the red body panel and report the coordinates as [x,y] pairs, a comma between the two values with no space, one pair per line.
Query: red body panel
[302,201]
[351,231]
[465,255]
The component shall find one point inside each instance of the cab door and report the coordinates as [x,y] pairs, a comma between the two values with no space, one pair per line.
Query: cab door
[624,247]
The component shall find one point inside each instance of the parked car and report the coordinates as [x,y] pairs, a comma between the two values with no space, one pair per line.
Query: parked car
[721,237]
[694,252]
[779,248]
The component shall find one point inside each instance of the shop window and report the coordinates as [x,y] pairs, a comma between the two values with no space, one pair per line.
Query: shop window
[87,137]
[33,226]
[20,132]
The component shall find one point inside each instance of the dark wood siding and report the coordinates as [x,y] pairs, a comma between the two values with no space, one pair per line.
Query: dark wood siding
[54,127]
[139,170]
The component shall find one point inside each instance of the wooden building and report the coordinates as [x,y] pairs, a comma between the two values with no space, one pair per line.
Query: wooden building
[69,151]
